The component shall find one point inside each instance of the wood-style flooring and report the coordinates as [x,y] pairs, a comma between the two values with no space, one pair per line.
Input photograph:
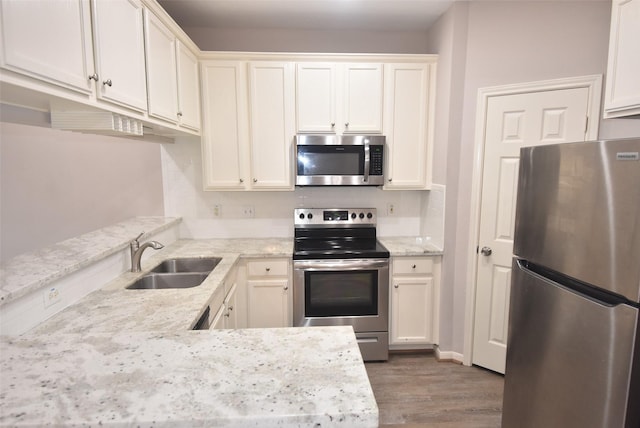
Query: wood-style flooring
[415,390]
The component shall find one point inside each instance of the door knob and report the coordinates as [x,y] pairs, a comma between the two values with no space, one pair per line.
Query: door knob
[486,251]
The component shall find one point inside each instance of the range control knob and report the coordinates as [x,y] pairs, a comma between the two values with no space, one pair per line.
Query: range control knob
[309,216]
[361,215]
[369,215]
[301,216]
[353,216]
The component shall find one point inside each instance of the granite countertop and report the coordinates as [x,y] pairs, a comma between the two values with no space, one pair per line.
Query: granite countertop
[410,246]
[243,378]
[126,357]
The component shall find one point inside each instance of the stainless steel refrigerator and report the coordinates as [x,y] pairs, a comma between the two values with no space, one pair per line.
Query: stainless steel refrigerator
[573,353]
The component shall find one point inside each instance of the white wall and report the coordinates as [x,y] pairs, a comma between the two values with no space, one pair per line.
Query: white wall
[506,42]
[59,184]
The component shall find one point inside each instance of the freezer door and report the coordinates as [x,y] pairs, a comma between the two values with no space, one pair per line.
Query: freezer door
[578,212]
[570,359]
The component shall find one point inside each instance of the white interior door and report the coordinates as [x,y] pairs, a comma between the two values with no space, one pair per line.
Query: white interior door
[512,122]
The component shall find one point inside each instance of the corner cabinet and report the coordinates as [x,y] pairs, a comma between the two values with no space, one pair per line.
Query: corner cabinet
[269,295]
[622,90]
[415,285]
[409,93]
[339,98]
[249,128]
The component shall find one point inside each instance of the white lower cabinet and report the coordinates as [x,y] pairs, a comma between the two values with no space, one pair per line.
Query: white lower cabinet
[414,301]
[269,296]
[227,316]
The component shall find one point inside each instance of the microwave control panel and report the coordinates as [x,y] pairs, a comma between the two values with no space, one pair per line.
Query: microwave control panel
[376,160]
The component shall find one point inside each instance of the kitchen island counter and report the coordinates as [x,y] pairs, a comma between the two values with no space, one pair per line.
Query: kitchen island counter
[254,377]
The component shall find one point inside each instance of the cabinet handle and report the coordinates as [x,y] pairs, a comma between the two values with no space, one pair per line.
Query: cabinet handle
[267,269]
[333,124]
[390,180]
[413,267]
[396,286]
[94,76]
[179,114]
[255,180]
[286,287]
[242,180]
[346,125]
[227,315]
[230,308]
[108,82]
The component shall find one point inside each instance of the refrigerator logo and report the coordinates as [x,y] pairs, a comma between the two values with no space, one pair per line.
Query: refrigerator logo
[628,156]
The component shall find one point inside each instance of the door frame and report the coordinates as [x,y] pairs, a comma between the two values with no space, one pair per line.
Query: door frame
[594,85]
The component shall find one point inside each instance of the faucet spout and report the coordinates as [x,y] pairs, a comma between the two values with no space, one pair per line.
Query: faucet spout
[137,250]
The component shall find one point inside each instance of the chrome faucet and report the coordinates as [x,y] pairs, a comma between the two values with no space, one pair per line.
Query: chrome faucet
[137,250]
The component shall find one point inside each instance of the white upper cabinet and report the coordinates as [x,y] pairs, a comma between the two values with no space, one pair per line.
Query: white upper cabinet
[48,40]
[272,124]
[249,125]
[172,75]
[622,92]
[188,88]
[225,124]
[162,76]
[119,52]
[408,125]
[339,98]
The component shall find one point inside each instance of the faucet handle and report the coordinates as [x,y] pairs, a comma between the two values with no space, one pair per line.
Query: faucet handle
[139,236]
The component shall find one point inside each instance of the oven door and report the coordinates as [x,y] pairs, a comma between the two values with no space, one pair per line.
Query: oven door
[342,292]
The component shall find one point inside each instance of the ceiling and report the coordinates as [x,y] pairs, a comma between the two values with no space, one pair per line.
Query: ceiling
[378,15]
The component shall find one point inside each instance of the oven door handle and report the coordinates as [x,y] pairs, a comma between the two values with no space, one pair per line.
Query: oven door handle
[331,264]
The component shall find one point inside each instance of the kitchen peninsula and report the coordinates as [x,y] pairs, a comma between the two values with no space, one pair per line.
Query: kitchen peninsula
[123,357]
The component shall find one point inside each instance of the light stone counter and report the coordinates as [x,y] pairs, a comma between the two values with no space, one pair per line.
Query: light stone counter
[311,377]
[410,246]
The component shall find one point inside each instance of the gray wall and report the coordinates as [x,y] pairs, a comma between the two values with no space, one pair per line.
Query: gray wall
[58,184]
[506,42]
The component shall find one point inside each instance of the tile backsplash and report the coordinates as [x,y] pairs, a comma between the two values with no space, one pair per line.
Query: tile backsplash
[210,214]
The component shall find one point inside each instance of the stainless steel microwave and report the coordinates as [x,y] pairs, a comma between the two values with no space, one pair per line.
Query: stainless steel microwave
[339,160]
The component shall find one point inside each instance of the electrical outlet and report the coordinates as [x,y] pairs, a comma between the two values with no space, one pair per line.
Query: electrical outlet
[217,210]
[391,210]
[51,296]
[247,211]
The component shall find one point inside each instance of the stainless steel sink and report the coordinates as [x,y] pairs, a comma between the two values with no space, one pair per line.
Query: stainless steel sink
[156,281]
[191,264]
[177,273]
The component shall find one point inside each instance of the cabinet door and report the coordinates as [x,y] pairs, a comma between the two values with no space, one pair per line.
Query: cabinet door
[231,311]
[412,310]
[188,88]
[218,320]
[316,97]
[407,118]
[49,40]
[362,98]
[271,100]
[622,95]
[269,303]
[160,51]
[119,52]
[224,109]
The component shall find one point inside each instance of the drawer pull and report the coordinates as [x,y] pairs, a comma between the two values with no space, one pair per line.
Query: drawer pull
[268,269]
[413,267]
[396,286]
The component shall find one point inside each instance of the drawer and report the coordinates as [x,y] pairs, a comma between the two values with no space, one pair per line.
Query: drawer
[268,267]
[412,265]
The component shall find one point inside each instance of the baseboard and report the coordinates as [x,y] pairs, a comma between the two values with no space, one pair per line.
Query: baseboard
[448,356]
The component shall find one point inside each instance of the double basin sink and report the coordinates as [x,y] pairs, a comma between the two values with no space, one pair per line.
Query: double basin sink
[177,273]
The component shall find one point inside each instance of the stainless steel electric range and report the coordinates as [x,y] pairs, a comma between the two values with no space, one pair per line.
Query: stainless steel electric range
[341,275]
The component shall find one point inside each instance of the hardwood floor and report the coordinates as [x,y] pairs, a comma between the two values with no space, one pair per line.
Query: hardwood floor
[414,390]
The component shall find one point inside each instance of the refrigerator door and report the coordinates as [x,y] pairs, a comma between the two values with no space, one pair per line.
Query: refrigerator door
[578,212]
[570,358]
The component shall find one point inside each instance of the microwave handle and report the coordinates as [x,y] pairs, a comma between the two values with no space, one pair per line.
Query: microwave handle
[367,160]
